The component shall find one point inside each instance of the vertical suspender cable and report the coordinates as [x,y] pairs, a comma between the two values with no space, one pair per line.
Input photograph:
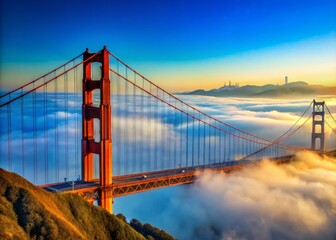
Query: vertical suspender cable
[175,134]
[135,136]
[118,124]
[219,142]
[193,140]
[238,145]
[224,148]
[156,130]
[153,167]
[199,139]
[181,139]
[66,159]
[230,150]
[209,141]
[150,130]
[246,145]
[163,137]
[9,136]
[215,142]
[142,135]
[126,124]
[160,131]
[45,133]
[234,145]
[220,145]
[56,130]
[204,137]
[76,121]
[166,114]
[22,136]
[187,142]
[34,136]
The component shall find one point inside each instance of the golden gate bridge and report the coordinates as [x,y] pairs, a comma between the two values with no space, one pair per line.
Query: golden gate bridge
[97,127]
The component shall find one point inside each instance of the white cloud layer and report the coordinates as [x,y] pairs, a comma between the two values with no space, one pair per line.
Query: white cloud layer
[292,201]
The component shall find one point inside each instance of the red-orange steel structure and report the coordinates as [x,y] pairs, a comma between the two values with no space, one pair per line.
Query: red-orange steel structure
[195,140]
[103,148]
[131,184]
[318,123]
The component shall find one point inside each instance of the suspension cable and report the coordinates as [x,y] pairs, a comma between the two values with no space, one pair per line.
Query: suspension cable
[329,125]
[46,82]
[295,122]
[37,79]
[278,141]
[190,115]
[330,113]
[181,101]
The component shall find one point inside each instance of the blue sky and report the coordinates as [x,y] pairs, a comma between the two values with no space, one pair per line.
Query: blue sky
[170,41]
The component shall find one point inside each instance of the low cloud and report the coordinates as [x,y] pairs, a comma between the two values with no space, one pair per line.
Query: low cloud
[292,201]
[142,122]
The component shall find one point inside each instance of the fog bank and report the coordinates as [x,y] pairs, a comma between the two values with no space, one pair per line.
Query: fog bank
[292,201]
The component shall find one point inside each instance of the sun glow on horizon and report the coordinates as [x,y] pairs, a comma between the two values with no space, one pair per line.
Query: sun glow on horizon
[312,61]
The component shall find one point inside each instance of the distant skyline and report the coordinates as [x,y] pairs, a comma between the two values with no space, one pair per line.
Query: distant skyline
[180,45]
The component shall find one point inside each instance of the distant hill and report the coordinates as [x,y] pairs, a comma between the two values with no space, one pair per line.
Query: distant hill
[28,212]
[269,90]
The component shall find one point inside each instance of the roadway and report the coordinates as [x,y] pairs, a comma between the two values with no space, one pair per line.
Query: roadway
[140,182]
[82,186]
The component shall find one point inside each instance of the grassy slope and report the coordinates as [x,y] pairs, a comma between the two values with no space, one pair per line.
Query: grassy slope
[29,212]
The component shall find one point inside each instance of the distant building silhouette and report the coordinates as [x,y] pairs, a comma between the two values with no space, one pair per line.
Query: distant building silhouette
[229,86]
[286,80]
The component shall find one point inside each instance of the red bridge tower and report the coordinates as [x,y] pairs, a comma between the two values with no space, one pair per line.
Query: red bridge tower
[103,147]
[318,126]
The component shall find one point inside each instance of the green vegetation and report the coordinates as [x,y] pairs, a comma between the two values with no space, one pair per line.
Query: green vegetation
[28,212]
[147,230]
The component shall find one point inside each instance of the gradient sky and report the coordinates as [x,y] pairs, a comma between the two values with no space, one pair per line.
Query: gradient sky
[181,45]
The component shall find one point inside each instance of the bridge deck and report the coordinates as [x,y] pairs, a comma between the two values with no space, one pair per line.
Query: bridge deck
[129,184]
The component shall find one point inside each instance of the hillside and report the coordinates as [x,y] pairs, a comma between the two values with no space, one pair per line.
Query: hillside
[269,90]
[28,212]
